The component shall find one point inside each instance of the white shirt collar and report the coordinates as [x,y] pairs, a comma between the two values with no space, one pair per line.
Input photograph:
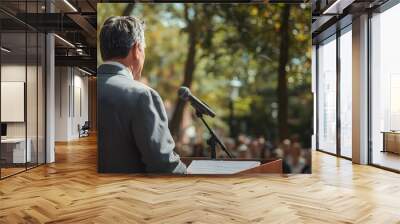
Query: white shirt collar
[115,63]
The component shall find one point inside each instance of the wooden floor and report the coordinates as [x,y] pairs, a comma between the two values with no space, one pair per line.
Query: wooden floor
[5,172]
[70,191]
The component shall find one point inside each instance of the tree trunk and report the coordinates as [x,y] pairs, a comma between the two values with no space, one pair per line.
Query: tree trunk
[188,76]
[282,76]
[129,9]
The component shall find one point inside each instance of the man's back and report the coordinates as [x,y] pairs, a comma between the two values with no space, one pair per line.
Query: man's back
[133,134]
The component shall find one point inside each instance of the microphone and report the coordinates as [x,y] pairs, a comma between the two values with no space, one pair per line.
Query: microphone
[200,107]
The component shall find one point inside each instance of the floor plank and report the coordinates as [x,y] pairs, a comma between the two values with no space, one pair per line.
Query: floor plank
[71,191]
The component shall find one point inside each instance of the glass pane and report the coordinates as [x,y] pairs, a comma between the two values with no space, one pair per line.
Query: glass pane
[327,96]
[13,88]
[32,97]
[385,86]
[41,98]
[346,94]
[31,86]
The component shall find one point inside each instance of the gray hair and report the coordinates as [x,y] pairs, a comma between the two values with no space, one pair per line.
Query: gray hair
[119,34]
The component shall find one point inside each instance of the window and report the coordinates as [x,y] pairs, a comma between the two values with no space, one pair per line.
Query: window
[22,78]
[346,92]
[385,88]
[327,95]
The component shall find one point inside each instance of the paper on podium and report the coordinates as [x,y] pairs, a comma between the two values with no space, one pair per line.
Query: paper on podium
[220,166]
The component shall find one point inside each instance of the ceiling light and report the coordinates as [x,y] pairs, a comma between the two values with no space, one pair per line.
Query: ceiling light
[331,7]
[79,51]
[65,41]
[338,6]
[84,71]
[5,50]
[70,5]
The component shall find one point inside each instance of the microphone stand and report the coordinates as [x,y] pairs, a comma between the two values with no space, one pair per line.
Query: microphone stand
[213,141]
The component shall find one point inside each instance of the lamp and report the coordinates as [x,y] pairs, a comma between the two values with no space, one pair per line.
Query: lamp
[65,41]
[84,71]
[5,50]
[337,7]
[235,84]
[70,5]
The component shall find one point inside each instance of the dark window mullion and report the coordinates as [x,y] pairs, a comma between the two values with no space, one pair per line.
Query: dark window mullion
[316,96]
[46,3]
[0,94]
[338,77]
[26,86]
[369,91]
[37,89]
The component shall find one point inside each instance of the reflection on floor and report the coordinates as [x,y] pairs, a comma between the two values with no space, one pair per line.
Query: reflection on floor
[10,171]
[71,191]
[387,159]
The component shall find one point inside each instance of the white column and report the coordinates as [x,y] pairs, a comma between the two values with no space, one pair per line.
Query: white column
[360,90]
[50,99]
[50,92]
[62,103]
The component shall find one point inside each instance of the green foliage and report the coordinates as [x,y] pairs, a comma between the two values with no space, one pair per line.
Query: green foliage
[235,40]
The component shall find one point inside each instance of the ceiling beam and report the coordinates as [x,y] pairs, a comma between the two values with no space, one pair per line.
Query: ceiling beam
[78,61]
[86,27]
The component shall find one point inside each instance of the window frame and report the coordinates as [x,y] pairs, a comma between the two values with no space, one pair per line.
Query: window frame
[339,32]
[378,10]
[29,29]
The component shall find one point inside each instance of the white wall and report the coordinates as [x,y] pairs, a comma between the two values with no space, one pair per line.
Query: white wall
[33,126]
[71,102]
[16,73]
[61,103]
[10,73]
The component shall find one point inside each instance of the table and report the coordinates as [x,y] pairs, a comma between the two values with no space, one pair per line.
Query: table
[13,150]
[391,141]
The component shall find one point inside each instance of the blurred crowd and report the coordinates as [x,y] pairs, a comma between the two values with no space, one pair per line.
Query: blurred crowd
[295,158]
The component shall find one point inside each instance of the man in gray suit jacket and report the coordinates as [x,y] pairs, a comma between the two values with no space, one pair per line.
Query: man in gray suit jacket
[133,134]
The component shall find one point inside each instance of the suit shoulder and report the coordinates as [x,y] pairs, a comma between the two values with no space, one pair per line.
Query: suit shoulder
[140,88]
[143,89]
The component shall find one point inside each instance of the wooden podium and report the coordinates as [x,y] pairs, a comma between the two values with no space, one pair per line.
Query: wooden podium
[268,166]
